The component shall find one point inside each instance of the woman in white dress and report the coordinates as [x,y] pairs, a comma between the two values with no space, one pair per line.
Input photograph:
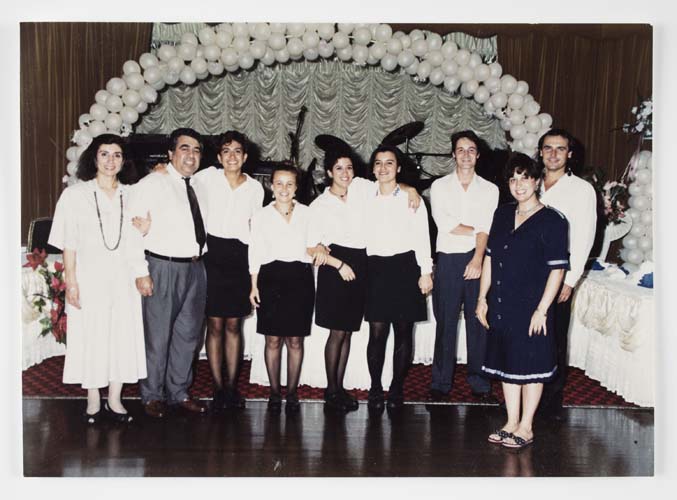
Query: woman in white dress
[282,285]
[105,346]
[400,267]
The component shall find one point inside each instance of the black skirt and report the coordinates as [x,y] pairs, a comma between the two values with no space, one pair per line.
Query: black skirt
[228,280]
[392,289]
[340,304]
[287,293]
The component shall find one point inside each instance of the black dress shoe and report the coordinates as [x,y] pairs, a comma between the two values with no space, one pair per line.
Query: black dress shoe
[437,395]
[218,400]
[275,403]
[292,405]
[395,402]
[120,418]
[92,419]
[349,401]
[486,398]
[376,400]
[334,401]
[233,400]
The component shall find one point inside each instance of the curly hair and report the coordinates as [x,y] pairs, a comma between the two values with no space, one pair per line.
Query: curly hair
[87,169]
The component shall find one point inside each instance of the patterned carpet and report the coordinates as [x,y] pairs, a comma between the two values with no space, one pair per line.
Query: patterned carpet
[44,380]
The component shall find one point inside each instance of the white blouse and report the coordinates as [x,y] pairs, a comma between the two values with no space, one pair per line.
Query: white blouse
[452,205]
[273,238]
[227,211]
[341,222]
[393,228]
[576,199]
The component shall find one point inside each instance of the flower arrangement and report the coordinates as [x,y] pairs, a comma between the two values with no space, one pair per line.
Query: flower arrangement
[614,194]
[643,124]
[50,303]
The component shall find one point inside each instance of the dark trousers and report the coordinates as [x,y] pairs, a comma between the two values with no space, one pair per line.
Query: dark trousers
[449,292]
[553,391]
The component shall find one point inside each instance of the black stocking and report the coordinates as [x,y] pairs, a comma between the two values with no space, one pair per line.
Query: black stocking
[401,355]
[215,349]
[294,362]
[376,351]
[333,350]
[343,360]
[272,356]
[233,351]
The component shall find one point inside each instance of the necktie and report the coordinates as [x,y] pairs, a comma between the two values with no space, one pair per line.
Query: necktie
[200,235]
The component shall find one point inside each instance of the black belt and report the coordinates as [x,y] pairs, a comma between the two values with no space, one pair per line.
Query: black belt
[195,258]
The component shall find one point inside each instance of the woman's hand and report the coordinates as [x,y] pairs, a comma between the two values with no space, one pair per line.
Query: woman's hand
[481,312]
[346,272]
[160,168]
[319,254]
[413,196]
[144,285]
[73,294]
[538,320]
[254,297]
[425,283]
[142,223]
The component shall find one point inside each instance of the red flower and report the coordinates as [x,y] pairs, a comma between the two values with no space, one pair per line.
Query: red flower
[35,259]
[58,266]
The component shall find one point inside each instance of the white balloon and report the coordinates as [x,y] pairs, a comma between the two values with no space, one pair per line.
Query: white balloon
[131,67]
[496,69]
[643,176]
[416,34]
[187,76]
[175,64]
[152,75]
[646,217]
[643,158]
[116,86]
[146,60]
[113,121]
[451,83]
[517,146]
[528,98]
[533,125]
[475,60]
[405,41]
[383,32]
[449,49]
[199,65]
[84,120]
[229,56]
[346,28]
[482,72]
[449,67]
[412,69]
[261,31]
[296,29]
[546,120]
[72,153]
[311,54]
[522,88]
[101,96]
[518,131]
[240,29]
[645,244]
[635,189]
[508,84]
[493,84]
[630,241]
[394,46]
[405,58]
[131,98]
[424,69]
[635,256]
[171,77]
[96,128]
[187,52]
[148,94]
[345,54]
[434,41]
[531,108]
[436,76]
[362,36]
[241,44]
[499,100]
[72,167]
[360,54]
[326,30]
[295,47]
[637,229]
[419,47]
[462,57]
[647,189]
[389,62]
[435,57]
[515,101]
[377,50]
[469,88]
[142,107]
[488,107]
[215,67]
[530,141]
[340,40]
[232,69]
[129,115]
[83,137]
[134,81]
[207,36]
[282,56]
[505,123]
[159,85]
[326,49]
[277,27]
[277,41]
[310,40]
[166,52]
[464,73]
[640,202]
[114,104]
[222,40]
[516,116]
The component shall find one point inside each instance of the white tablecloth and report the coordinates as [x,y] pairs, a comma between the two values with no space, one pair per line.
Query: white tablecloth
[612,336]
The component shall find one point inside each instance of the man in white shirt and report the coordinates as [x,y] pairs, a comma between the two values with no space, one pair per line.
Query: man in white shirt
[576,199]
[463,205]
[174,313]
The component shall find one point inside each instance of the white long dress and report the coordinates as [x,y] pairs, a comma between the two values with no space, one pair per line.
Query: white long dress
[105,339]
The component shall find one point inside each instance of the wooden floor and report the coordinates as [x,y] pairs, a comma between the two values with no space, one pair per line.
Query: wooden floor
[423,440]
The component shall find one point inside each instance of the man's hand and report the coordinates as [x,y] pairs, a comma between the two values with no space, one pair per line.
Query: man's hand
[142,223]
[425,283]
[565,294]
[73,294]
[474,269]
[145,286]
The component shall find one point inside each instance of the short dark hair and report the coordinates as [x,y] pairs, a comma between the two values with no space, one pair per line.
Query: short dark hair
[87,170]
[230,136]
[557,132]
[174,137]
[387,148]
[334,155]
[519,163]
[284,167]
[465,134]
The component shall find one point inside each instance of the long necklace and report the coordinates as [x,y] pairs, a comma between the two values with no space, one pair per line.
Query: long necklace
[103,236]
[527,212]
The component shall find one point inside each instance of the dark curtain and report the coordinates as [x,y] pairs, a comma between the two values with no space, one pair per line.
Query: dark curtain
[587,77]
[62,67]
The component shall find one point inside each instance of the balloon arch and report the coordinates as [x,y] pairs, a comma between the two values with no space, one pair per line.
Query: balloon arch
[231,47]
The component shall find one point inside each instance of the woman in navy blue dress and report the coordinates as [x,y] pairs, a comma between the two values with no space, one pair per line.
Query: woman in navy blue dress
[523,269]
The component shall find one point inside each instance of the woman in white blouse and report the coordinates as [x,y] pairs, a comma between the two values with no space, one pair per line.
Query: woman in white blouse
[282,285]
[232,197]
[105,328]
[400,267]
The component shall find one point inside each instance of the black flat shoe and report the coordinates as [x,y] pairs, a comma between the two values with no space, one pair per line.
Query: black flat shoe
[395,402]
[218,400]
[292,405]
[120,418]
[90,419]
[234,400]
[376,401]
[275,403]
[349,401]
[334,401]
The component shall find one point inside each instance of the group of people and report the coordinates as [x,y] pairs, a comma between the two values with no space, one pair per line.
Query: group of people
[146,263]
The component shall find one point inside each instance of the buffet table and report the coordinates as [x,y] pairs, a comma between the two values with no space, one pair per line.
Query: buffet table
[612,336]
